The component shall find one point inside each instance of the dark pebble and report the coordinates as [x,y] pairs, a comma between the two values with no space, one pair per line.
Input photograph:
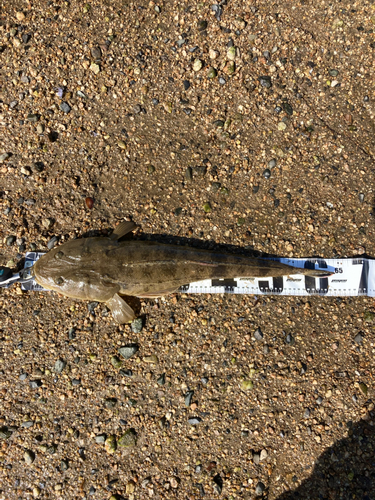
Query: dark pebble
[267,173]
[126,373]
[155,102]
[137,109]
[25,37]
[91,306]
[178,211]
[34,384]
[64,465]
[260,487]
[358,338]
[255,189]
[288,108]
[161,379]
[10,241]
[265,82]
[188,398]
[189,173]
[186,84]
[110,403]
[72,333]
[64,106]
[52,242]
[137,325]
[218,123]
[319,400]
[96,52]
[289,339]
[202,25]
[33,117]
[76,381]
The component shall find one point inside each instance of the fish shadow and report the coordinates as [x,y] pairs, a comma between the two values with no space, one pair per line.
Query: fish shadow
[344,471]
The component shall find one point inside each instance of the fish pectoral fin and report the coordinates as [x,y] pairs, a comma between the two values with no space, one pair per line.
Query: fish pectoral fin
[158,293]
[122,229]
[121,311]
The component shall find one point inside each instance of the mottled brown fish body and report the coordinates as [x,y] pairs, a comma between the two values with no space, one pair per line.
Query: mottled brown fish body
[93,268]
[100,269]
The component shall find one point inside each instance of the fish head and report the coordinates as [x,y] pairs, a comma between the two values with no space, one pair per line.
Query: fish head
[68,269]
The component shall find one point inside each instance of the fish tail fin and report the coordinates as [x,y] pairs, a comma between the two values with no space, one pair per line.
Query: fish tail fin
[315,273]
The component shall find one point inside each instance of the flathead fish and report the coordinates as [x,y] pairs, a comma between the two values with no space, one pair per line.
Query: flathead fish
[104,268]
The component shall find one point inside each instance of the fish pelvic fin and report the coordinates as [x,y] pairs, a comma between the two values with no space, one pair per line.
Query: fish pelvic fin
[122,229]
[121,311]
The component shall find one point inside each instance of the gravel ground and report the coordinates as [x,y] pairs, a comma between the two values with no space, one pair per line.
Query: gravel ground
[238,124]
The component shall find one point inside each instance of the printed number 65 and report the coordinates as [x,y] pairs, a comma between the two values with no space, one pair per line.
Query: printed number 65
[338,269]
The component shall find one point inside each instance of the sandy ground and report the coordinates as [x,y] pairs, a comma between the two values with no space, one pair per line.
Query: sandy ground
[245,124]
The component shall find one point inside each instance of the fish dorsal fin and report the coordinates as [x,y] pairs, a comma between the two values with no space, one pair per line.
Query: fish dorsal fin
[121,311]
[122,229]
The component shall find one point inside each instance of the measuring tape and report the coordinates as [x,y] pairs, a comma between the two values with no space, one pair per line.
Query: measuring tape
[352,277]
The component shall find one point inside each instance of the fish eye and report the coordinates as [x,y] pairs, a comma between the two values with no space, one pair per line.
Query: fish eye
[59,281]
[59,255]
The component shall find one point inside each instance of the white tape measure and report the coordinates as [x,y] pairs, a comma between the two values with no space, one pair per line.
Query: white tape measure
[352,277]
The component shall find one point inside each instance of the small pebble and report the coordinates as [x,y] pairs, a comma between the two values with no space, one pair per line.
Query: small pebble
[137,325]
[188,398]
[64,106]
[4,156]
[272,163]
[211,73]
[267,173]
[265,81]
[194,420]
[260,487]
[258,335]
[358,338]
[153,359]
[231,53]
[33,117]
[197,65]
[89,202]
[52,242]
[129,439]
[128,351]
[29,457]
[110,444]
[59,366]
[10,241]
